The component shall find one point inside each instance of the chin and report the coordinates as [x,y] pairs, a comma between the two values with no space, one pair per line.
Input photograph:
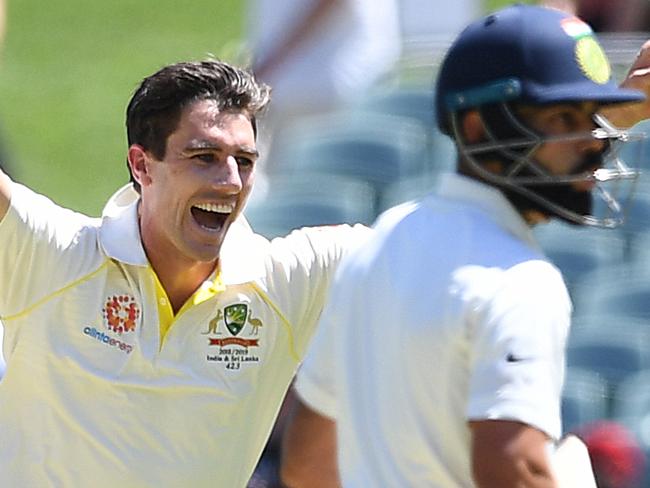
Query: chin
[202,252]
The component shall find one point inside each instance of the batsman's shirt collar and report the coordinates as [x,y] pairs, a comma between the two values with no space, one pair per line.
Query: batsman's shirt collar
[489,200]
[241,257]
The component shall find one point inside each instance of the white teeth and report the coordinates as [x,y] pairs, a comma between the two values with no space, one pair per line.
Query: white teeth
[215,207]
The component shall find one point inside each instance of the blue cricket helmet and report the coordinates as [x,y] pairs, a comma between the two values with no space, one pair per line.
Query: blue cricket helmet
[529,54]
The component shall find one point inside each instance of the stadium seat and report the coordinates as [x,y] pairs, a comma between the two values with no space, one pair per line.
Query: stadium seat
[638,216]
[584,398]
[632,405]
[613,353]
[578,251]
[375,148]
[405,190]
[299,201]
[585,323]
[415,102]
[617,289]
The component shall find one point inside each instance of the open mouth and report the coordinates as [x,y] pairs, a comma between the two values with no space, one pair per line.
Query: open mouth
[211,216]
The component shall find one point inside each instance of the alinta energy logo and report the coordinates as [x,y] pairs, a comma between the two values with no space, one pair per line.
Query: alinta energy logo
[121,313]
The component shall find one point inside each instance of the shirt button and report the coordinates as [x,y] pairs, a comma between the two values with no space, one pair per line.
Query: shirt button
[163,301]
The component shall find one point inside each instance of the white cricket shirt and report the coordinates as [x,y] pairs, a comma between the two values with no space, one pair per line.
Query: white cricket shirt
[93,398]
[449,313]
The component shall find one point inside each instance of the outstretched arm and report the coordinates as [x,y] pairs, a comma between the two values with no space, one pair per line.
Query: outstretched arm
[309,450]
[301,32]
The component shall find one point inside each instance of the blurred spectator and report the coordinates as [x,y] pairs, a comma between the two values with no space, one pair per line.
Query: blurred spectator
[617,459]
[426,19]
[318,56]
[433,19]
[615,15]
[609,15]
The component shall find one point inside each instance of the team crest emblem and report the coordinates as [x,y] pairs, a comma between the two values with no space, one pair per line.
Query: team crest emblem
[235,317]
[592,60]
[121,313]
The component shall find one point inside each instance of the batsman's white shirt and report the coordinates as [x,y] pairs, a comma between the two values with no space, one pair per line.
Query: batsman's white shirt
[449,313]
[93,397]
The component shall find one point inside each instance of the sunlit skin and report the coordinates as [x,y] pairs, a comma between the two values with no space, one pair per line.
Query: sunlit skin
[558,157]
[209,162]
[564,157]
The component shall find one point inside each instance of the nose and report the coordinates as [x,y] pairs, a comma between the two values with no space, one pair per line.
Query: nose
[226,176]
[592,144]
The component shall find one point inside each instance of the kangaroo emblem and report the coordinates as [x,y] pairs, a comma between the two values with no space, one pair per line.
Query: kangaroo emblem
[213,325]
[256,323]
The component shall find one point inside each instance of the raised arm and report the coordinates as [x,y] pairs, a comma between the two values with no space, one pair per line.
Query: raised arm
[510,455]
[5,193]
[295,37]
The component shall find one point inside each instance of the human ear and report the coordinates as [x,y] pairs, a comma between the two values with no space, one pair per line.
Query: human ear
[473,128]
[139,164]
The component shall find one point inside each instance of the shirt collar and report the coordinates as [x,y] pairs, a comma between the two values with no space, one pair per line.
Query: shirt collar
[119,234]
[490,200]
[242,253]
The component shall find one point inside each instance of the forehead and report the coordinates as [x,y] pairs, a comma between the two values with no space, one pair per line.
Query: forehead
[204,116]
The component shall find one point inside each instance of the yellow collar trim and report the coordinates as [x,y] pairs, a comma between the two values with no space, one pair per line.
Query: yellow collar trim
[166,317]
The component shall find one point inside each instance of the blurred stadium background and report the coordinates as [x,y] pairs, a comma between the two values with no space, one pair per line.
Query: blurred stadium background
[67,71]
[69,68]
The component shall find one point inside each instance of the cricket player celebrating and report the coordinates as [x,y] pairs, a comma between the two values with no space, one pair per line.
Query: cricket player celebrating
[153,347]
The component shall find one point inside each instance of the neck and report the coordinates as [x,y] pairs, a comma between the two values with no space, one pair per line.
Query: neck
[530,215]
[179,275]
[534,217]
[180,279]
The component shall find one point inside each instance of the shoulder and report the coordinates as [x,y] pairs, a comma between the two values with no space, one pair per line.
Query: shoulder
[323,242]
[37,214]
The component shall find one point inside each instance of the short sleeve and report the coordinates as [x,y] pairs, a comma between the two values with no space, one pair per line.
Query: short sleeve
[304,265]
[40,248]
[518,349]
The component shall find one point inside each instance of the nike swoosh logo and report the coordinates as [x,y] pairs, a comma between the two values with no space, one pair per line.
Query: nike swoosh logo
[511,358]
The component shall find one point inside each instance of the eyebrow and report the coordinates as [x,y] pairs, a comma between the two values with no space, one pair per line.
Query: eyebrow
[194,146]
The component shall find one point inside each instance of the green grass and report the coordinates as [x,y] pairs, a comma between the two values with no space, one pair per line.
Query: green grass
[68,70]
[491,5]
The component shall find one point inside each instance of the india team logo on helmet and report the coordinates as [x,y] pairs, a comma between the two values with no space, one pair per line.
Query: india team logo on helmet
[121,313]
[589,54]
